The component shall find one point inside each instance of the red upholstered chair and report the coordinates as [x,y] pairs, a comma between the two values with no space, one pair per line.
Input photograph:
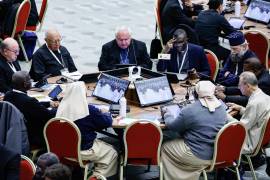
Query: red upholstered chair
[263,142]
[98,177]
[27,168]
[258,43]
[228,146]
[213,63]
[20,24]
[142,140]
[158,20]
[64,139]
[41,16]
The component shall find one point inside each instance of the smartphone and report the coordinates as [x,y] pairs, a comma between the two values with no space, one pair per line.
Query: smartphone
[54,93]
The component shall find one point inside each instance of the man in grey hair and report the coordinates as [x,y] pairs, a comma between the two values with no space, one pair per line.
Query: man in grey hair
[123,50]
[51,58]
[255,113]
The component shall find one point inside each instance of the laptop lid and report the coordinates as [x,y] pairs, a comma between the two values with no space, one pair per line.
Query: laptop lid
[258,10]
[153,91]
[236,22]
[110,88]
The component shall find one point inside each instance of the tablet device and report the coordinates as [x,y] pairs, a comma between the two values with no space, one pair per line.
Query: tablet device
[55,92]
[153,91]
[236,22]
[110,88]
[173,109]
[258,10]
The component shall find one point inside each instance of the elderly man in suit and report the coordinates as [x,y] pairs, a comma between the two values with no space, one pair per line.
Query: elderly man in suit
[9,50]
[123,50]
[51,58]
[184,56]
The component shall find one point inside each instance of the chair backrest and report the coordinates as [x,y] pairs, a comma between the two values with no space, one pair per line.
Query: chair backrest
[258,43]
[42,12]
[142,140]
[27,168]
[213,63]
[264,137]
[63,138]
[21,18]
[158,19]
[228,145]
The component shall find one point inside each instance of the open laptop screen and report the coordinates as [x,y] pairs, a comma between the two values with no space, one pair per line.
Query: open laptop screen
[110,88]
[153,91]
[258,10]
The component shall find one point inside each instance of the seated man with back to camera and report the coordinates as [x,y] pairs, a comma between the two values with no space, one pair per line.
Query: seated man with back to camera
[209,25]
[51,58]
[233,93]
[184,56]
[229,75]
[123,50]
[191,148]
[35,112]
[89,119]
[9,50]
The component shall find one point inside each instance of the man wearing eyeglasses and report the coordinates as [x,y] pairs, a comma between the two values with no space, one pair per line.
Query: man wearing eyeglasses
[9,50]
[51,58]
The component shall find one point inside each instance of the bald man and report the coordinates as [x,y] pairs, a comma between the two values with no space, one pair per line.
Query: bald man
[123,50]
[51,58]
[9,50]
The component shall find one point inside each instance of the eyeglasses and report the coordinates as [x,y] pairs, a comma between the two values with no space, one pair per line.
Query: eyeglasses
[14,51]
[57,41]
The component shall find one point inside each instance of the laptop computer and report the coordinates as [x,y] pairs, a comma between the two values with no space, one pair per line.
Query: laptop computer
[258,10]
[236,22]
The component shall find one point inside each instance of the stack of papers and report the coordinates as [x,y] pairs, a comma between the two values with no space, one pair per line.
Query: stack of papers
[40,97]
[75,76]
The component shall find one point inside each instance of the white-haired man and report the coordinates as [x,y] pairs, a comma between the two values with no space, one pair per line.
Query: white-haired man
[9,50]
[255,113]
[123,50]
[52,57]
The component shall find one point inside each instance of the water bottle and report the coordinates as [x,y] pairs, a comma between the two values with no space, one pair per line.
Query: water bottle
[123,107]
[237,8]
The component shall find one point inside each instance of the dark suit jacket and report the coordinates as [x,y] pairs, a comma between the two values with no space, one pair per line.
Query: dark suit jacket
[171,16]
[10,164]
[196,59]
[233,94]
[209,26]
[110,55]
[6,74]
[35,113]
[44,63]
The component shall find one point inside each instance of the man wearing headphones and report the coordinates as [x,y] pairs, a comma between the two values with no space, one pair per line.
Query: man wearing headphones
[123,50]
